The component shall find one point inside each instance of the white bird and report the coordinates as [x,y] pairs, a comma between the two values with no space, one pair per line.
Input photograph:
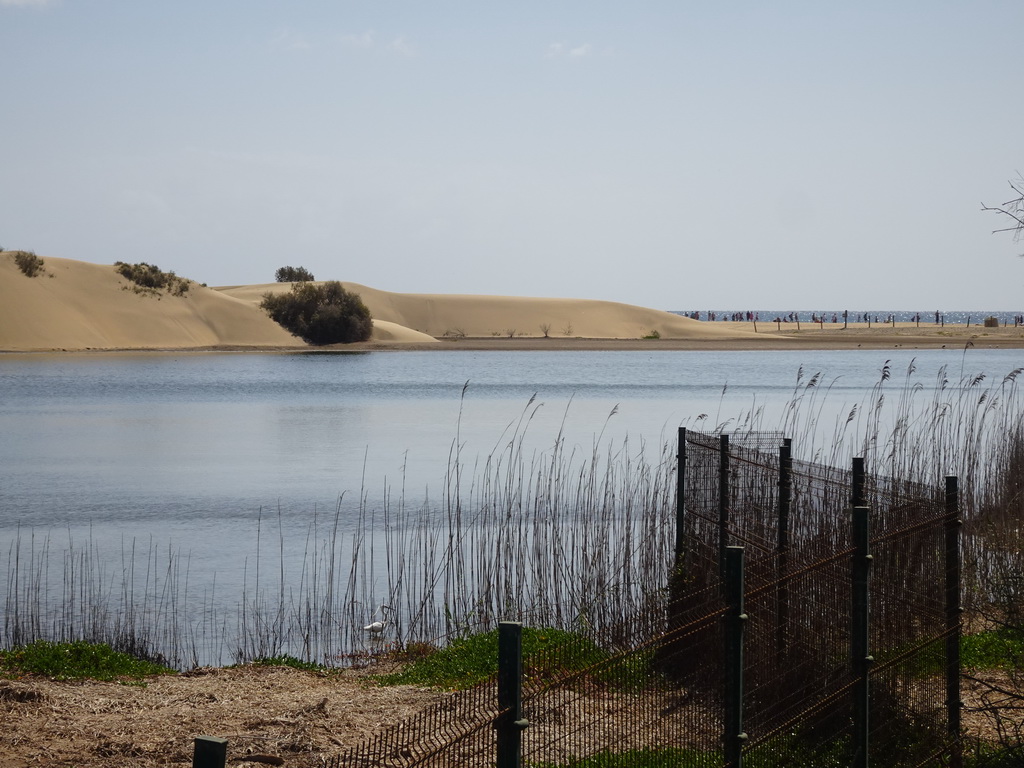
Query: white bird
[377,627]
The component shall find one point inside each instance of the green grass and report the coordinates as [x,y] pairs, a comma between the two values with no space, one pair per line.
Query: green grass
[994,649]
[832,756]
[76,661]
[1001,648]
[665,757]
[993,756]
[546,652]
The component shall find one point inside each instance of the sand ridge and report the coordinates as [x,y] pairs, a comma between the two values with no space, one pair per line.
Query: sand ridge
[75,306]
[454,316]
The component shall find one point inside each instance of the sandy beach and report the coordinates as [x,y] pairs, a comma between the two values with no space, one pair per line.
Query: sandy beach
[77,306]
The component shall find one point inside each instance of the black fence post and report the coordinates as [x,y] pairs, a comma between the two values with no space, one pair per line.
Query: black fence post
[860,650]
[510,723]
[734,737]
[857,484]
[953,623]
[782,595]
[209,752]
[723,502]
[785,492]
[680,497]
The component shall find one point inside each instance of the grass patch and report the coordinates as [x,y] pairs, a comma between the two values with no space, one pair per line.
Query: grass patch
[831,756]
[663,757]
[993,649]
[1001,648]
[547,652]
[76,661]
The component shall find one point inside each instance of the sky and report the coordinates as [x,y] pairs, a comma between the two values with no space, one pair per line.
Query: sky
[672,154]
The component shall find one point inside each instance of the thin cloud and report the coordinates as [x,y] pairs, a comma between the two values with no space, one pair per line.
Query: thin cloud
[565,51]
[401,45]
[364,40]
[27,2]
[289,40]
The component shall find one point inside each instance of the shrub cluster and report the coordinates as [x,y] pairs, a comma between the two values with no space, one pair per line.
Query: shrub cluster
[320,314]
[150,276]
[27,261]
[293,275]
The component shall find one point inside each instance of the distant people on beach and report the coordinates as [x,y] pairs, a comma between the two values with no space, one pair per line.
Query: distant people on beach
[868,318]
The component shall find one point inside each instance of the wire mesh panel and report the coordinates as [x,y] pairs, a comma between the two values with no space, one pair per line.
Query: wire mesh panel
[798,683]
[796,656]
[643,702]
[456,731]
[908,635]
[646,683]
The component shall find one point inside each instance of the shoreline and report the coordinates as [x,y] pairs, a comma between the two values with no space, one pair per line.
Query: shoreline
[905,336]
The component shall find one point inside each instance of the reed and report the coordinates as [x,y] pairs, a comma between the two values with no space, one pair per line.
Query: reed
[576,539]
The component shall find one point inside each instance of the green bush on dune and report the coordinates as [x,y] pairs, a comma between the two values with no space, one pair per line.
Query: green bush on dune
[323,313]
[293,275]
[150,278]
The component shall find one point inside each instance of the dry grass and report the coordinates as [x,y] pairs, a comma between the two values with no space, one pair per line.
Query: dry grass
[301,717]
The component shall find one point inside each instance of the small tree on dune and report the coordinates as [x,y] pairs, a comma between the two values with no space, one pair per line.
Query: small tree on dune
[293,275]
[320,314]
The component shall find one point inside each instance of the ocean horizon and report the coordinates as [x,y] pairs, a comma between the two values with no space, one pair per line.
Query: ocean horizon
[927,317]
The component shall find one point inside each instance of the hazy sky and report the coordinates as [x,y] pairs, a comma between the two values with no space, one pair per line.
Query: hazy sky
[680,155]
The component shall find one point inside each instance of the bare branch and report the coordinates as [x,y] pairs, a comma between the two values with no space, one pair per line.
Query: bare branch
[1014,208]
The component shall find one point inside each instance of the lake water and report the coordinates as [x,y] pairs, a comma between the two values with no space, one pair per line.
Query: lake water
[190,451]
[142,440]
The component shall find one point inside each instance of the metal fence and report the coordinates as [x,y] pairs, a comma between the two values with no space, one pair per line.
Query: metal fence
[778,627]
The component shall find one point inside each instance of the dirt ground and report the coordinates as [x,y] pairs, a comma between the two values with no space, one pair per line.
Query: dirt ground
[300,718]
[269,715]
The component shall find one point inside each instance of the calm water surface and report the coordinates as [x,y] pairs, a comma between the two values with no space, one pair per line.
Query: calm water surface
[147,439]
[189,451]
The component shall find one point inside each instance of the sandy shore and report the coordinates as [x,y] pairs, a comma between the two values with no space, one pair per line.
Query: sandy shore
[948,337]
[75,306]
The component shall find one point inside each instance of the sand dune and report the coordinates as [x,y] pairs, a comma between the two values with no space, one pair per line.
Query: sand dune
[455,315]
[75,305]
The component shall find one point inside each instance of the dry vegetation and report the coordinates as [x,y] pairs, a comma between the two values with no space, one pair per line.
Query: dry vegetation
[296,716]
[149,279]
[269,715]
[29,263]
